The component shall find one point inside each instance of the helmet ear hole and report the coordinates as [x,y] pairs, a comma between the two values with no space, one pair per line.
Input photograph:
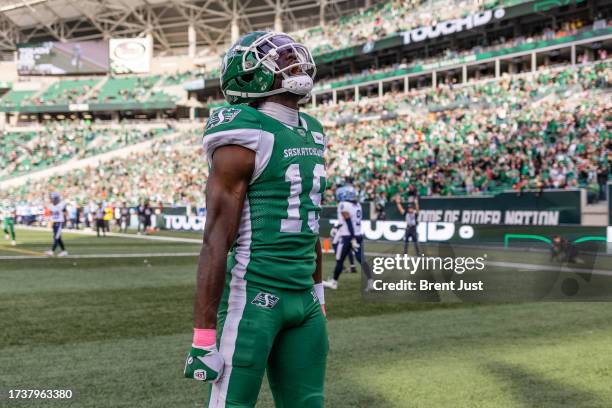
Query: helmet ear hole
[247,77]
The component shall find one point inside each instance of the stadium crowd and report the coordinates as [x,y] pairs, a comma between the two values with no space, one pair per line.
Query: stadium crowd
[552,145]
[510,90]
[552,130]
[380,21]
[173,177]
[58,142]
[392,17]
[549,130]
[128,89]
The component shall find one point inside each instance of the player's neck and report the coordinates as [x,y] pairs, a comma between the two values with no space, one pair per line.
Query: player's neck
[280,112]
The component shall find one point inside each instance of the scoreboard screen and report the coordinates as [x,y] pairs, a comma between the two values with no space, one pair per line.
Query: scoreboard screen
[63,58]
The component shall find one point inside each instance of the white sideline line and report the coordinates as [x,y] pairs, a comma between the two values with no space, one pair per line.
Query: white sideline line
[548,268]
[94,256]
[156,255]
[515,265]
[116,234]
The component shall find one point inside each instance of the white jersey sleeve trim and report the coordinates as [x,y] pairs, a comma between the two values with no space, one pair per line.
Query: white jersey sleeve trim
[248,138]
[259,141]
[263,154]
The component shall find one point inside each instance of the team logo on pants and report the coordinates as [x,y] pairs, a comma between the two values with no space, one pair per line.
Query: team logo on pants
[266,300]
[315,299]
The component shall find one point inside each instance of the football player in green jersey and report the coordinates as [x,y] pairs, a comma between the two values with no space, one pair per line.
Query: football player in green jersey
[260,309]
[8,222]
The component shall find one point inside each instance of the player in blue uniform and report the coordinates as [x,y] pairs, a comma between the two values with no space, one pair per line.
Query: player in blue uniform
[58,218]
[336,238]
[350,237]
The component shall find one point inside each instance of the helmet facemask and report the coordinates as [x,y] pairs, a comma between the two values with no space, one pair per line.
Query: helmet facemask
[282,56]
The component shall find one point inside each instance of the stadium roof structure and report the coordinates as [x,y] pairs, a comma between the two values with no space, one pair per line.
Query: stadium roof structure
[212,22]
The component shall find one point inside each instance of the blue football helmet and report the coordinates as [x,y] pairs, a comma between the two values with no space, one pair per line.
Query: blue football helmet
[346,193]
[55,197]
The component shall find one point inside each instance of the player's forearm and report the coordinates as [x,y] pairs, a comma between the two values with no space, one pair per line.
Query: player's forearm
[220,232]
[210,283]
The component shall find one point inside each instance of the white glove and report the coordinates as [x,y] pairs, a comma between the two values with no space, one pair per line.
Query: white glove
[204,364]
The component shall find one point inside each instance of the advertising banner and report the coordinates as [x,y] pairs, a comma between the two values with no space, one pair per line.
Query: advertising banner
[500,235]
[130,55]
[453,26]
[547,208]
[183,223]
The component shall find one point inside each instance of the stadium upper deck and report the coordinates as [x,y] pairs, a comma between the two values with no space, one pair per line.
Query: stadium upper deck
[394,43]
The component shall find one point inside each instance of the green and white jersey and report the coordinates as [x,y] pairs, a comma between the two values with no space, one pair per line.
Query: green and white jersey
[6,212]
[276,239]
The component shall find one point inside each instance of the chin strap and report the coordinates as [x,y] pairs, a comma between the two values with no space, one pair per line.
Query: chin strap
[297,84]
[305,99]
[255,94]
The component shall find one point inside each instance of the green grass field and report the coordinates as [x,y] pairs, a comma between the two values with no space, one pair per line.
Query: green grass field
[115,330]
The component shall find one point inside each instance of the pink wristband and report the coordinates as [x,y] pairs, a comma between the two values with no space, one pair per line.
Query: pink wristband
[204,337]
